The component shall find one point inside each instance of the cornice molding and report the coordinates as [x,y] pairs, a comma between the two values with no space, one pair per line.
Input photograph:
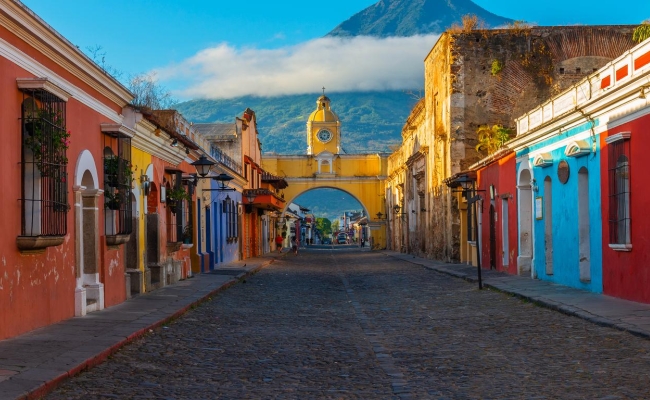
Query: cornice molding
[42,84]
[26,25]
[30,65]
[146,140]
[120,129]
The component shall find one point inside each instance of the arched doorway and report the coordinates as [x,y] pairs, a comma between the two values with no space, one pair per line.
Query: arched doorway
[525,198]
[89,291]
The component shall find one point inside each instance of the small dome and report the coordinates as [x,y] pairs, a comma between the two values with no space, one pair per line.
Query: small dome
[323,113]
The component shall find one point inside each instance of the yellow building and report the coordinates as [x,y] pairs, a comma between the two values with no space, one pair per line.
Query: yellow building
[325,166]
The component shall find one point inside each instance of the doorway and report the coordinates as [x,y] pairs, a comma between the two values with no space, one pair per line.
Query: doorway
[493,238]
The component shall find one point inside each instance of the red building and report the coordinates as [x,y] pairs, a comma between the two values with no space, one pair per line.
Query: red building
[498,212]
[62,250]
[626,201]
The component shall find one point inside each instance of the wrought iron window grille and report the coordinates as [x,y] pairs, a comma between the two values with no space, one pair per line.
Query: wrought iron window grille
[44,184]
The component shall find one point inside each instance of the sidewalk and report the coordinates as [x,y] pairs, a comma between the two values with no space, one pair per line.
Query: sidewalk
[597,308]
[34,363]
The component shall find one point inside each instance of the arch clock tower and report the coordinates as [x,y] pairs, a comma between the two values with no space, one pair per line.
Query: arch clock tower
[323,129]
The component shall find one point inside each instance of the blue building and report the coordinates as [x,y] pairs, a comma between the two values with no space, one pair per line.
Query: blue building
[558,186]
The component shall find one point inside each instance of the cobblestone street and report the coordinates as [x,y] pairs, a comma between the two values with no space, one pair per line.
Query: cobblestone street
[350,324]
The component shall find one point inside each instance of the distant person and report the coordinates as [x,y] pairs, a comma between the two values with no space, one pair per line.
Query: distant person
[278,243]
[294,245]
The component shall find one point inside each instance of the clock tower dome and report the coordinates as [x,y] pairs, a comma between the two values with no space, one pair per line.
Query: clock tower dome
[323,129]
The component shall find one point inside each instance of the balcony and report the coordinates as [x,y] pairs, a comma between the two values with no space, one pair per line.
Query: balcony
[264,199]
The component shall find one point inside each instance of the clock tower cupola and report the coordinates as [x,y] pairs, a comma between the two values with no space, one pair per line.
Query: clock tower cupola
[323,129]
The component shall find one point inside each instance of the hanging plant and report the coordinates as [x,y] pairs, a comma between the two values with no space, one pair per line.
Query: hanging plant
[175,196]
[48,141]
[117,171]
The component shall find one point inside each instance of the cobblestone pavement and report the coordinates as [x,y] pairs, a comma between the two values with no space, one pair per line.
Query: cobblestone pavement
[348,324]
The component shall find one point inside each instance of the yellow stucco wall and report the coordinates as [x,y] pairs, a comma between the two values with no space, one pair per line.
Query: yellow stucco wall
[140,161]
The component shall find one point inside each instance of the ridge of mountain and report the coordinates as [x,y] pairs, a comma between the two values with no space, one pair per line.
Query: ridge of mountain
[413,17]
[370,121]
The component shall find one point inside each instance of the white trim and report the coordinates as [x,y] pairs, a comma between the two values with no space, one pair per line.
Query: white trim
[30,65]
[86,162]
[621,247]
[584,135]
[542,160]
[43,84]
[37,34]
[117,128]
[617,137]
[577,148]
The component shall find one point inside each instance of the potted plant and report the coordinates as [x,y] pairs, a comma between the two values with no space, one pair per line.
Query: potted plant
[175,196]
[187,234]
[48,140]
[113,199]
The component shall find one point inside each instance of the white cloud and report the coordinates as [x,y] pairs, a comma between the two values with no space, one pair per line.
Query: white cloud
[339,64]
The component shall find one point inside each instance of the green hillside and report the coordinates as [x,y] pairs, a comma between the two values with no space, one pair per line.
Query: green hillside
[370,121]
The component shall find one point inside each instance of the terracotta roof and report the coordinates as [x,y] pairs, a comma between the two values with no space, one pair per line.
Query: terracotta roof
[151,117]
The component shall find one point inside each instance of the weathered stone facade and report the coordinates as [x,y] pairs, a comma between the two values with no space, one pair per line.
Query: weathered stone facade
[475,78]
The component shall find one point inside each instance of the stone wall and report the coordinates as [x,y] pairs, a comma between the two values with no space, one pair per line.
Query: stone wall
[489,77]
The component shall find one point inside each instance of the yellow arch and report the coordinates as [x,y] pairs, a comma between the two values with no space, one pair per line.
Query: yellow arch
[362,176]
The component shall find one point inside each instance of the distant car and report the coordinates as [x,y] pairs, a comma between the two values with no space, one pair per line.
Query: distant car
[342,238]
[327,241]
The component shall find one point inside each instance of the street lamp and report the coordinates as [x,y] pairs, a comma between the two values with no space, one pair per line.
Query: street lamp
[250,196]
[467,183]
[223,180]
[203,166]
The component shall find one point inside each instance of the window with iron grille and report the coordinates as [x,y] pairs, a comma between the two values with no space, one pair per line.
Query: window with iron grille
[619,189]
[230,215]
[45,141]
[118,179]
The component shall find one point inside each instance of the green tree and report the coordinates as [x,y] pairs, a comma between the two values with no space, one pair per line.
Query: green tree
[642,32]
[335,225]
[324,225]
[491,138]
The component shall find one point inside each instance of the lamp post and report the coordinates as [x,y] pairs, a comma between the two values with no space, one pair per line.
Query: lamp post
[467,183]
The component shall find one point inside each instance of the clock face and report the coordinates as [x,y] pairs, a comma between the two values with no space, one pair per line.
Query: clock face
[324,135]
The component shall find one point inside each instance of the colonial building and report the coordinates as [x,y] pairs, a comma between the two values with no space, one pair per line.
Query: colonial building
[63,251]
[477,78]
[580,197]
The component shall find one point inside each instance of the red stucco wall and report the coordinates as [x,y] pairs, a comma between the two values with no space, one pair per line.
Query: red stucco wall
[39,289]
[501,174]
[627,274]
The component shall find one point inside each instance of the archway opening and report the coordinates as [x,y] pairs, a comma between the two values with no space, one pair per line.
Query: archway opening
[329,216]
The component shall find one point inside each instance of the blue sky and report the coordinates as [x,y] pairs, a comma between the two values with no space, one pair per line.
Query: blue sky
[217,48]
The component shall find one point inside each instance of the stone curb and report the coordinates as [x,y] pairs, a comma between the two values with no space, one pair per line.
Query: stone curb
[52,384]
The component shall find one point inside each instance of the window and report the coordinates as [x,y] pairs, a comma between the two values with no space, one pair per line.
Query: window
[230,215]
[619,191]
[118,178]
[44,165]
